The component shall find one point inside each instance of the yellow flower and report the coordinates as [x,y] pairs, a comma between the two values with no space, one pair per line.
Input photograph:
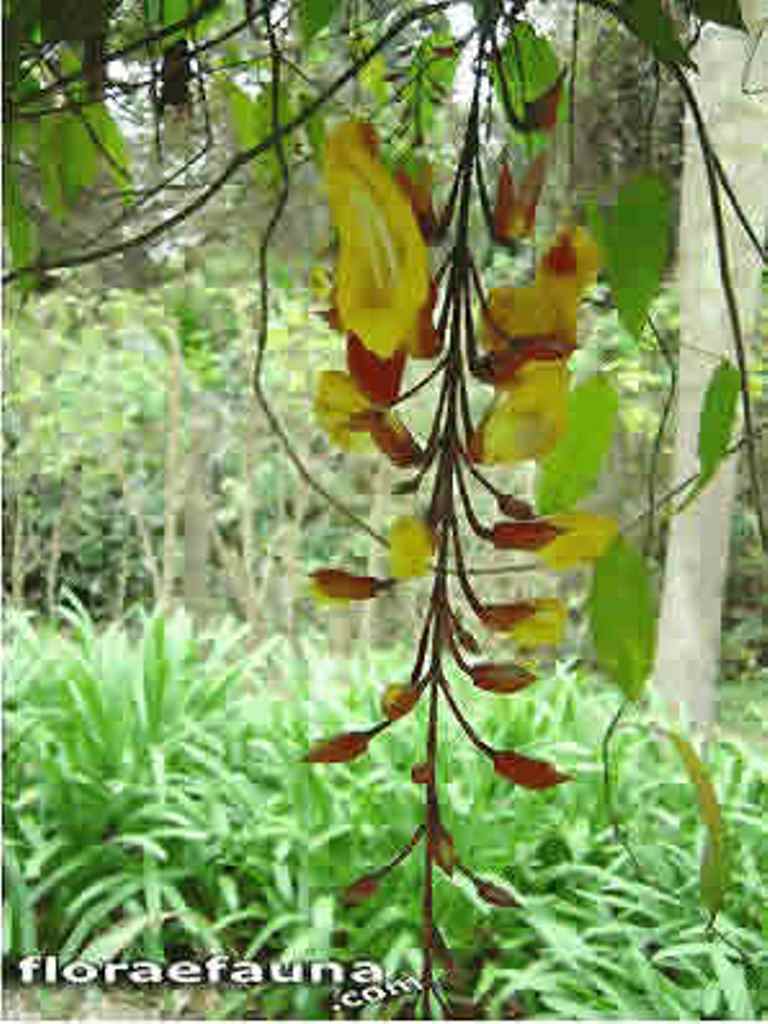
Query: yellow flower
[584,538]
[528,418]
[569,266]
[337,400]
[548,307]
[411,544]
[545,627]
[382,277]
[529,312]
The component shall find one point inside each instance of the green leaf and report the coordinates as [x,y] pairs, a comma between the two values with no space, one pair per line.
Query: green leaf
[107,945]
[373,78]
[111,144]
[266,168]
[50,171]
[164,13]
[734,986]
[653,26]
[718,413]
[723,12]
[78,157]
[242,114]
[530,68]
[572,469]
[713,876]
[173,11]
[709,808]
[622,618]
[634,237]
[431,80]
[252,122]
[713,869]
[20,230]
[315,15]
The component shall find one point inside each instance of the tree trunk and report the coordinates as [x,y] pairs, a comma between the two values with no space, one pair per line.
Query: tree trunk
[697,551]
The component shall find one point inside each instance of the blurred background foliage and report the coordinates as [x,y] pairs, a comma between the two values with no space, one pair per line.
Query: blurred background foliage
[84,503]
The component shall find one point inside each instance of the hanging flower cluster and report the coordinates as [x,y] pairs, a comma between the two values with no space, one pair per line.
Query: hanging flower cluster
[515,340]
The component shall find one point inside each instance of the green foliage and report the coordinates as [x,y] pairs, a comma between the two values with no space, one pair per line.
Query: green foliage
[571,470]
[622,618]
[718,414]
[712,873]
[430,80]
[634,237]
[723,12]
[111,144]
[252,123]
[21,229]
[190,826]
[530,68]
[315,15]
[651,24]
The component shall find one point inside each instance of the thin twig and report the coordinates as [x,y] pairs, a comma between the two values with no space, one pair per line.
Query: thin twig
[272,140]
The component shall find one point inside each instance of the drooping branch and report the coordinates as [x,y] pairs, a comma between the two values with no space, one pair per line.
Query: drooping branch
[277,136]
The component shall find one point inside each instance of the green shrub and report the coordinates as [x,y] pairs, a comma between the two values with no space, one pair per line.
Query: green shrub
[156,805]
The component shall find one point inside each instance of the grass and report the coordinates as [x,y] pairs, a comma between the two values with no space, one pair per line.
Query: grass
[156,807]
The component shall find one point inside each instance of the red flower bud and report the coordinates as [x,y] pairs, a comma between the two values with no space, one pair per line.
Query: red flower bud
[505,201]
[529,535]
[526,771]
[360,890]
[494,894]
[335,583]
[346,746]
[504,677]
[465,638]
[514,507]
[398,700]
[500,617]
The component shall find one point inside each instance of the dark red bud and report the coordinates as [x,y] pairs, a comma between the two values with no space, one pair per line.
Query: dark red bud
[360,890]
[420,774]
[526,771]
[528,535]
[495,894]
[514,507]
[344,747]
[502,677]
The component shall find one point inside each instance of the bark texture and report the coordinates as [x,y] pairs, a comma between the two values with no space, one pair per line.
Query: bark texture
[697,552]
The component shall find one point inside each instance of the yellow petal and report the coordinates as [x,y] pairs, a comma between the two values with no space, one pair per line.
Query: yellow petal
[528,312]
[382,276]
[529,417]
[545,627]
[585,538]
[411,545]
[571,263]
[337,398]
